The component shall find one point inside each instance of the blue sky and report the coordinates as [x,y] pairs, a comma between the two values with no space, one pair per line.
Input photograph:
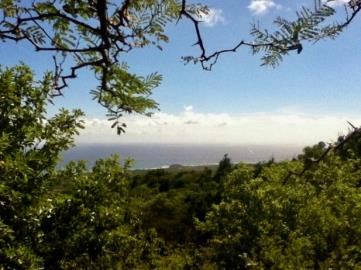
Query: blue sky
[307,98]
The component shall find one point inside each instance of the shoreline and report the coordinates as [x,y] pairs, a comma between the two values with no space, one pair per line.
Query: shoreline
[178,168]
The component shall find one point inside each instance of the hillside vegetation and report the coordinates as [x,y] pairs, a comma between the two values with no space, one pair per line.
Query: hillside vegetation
[299,214]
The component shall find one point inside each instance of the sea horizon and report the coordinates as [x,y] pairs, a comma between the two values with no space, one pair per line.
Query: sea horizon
[163,155]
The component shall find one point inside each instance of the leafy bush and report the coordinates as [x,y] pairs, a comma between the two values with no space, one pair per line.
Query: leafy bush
[307,222]
[59,219]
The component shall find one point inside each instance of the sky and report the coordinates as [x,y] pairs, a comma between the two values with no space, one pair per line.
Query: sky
[308,98]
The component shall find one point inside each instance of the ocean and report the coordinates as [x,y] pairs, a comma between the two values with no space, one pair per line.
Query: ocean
[149,156]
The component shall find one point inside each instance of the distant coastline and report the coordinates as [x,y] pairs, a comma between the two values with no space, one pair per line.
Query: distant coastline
[157,156]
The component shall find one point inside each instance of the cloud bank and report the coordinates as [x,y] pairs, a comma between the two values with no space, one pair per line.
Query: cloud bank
[192,127]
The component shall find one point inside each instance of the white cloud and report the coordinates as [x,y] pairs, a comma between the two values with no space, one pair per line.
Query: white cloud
[213,17]
[262,6]
[188,108]
[335,3]
[193,127]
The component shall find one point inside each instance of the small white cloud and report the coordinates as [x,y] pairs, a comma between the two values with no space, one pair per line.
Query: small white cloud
[262,6]
[188,108]
[335,3]
[213,17]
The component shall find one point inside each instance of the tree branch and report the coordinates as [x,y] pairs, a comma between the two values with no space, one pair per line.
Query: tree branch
[332,148]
